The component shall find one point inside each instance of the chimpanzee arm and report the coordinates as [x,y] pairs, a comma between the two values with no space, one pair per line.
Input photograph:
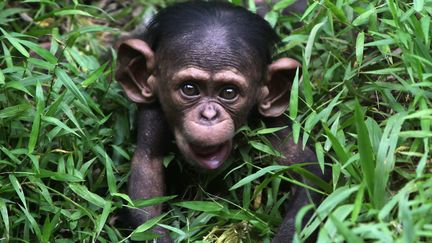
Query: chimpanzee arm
[293,153]
[147,178]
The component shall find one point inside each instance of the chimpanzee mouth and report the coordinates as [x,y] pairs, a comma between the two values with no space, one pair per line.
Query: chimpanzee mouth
[211,157]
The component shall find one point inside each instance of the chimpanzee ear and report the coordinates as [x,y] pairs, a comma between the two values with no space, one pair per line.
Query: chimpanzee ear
[276,92]
[135,65]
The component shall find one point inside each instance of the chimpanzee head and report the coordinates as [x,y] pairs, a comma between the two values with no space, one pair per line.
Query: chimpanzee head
[208,65]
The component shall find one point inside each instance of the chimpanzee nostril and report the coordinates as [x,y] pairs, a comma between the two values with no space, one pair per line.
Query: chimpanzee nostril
[209,113]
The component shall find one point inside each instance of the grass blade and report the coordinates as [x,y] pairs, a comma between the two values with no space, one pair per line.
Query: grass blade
[70,85]
[386,157]
[359,48]
[310,42]
[203,206]
[15,43]
[18,189]
[367,161]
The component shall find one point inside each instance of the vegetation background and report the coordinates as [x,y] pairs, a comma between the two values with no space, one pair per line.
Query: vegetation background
[364,105]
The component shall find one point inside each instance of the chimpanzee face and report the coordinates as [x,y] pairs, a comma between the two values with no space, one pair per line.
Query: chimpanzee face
[207,89]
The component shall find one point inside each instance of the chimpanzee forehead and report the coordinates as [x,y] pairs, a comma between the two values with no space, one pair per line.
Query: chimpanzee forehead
[222,76]
[210,49]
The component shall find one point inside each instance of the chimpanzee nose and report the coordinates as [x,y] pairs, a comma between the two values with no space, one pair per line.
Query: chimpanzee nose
[210,113]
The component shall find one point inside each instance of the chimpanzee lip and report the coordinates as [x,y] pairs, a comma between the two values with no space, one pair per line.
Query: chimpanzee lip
[211,157]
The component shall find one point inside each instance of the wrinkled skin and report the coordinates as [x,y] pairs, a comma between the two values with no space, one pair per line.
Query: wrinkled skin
[200,96]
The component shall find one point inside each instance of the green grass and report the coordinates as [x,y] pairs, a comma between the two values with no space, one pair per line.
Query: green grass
[364,105]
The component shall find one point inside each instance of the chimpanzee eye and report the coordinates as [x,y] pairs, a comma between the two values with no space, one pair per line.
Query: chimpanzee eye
[229,93]
[190,89]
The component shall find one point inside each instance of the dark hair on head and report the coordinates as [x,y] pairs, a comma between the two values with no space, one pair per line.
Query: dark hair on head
[239,24]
